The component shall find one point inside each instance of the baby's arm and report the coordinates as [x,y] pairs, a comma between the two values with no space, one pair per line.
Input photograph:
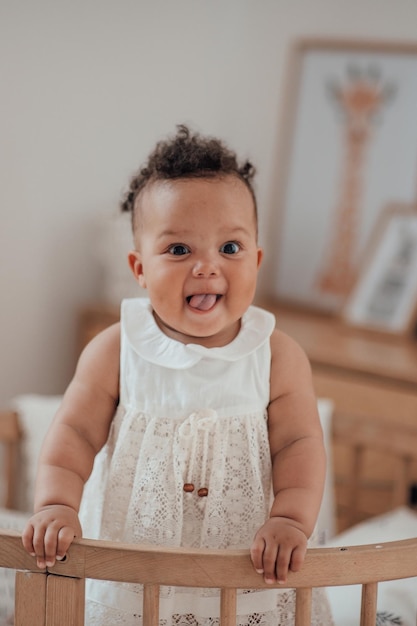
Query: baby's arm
[78,431]
[298,463]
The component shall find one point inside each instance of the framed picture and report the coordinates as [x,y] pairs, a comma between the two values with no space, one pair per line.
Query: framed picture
[348,148]
[384,297]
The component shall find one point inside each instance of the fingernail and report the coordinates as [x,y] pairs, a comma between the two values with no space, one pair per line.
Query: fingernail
[269,581]
[259,571]
[49,563]
[60,558]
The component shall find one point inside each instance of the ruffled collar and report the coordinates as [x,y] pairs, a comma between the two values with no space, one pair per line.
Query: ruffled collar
[146,338]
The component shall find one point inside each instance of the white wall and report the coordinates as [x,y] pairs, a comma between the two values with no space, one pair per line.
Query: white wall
[87,87]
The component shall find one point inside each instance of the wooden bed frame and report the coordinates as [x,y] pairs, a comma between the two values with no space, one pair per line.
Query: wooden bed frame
[56,595]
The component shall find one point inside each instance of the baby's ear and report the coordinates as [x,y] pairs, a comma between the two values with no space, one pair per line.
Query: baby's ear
[135,263]
[260,256]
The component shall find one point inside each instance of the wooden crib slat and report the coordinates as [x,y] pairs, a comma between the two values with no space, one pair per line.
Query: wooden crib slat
[356,469]
[402,481]
[368,606]
[10,435]
[153,565]
[65,598]
[151,605]
[30,599]
[228,599]
[303,606]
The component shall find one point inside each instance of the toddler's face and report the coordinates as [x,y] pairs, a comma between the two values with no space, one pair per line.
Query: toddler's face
[197,254]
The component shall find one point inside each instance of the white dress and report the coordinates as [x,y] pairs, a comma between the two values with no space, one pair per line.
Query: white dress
[187,415]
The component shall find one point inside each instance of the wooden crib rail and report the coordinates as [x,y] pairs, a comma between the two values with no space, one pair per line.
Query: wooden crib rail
[56,596]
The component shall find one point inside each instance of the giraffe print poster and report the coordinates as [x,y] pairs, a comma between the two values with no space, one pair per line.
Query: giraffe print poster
[349,148]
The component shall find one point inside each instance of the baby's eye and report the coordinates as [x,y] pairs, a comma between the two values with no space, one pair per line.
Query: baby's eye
[230,247]
[179,249]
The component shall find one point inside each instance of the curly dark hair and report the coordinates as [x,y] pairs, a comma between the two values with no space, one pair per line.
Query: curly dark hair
[188,155]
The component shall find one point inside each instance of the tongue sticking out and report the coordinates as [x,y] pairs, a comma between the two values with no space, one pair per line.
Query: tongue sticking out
[203,301]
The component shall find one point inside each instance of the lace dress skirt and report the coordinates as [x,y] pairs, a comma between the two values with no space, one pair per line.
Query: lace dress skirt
[144,501]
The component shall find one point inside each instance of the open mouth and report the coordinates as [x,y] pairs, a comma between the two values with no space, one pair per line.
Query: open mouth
[203,301]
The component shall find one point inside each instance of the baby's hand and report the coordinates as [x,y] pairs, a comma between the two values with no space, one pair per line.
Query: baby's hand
[278,546]
[49,533]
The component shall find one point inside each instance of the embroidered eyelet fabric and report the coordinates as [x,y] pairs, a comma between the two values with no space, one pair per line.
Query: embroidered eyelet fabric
[196,416]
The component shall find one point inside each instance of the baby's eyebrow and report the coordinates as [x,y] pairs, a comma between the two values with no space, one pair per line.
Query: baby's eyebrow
[226,232]
[174,235]
[238,229]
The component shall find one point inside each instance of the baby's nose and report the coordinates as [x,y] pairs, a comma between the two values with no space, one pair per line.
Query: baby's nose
[205,267]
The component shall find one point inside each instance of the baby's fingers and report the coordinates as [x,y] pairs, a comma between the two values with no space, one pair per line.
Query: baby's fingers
[33,538]
[44,543]
[297,558]
[283,563]
[57,542]
[27,539]
[269,561]
[66,536]
[289,559]
[256,554]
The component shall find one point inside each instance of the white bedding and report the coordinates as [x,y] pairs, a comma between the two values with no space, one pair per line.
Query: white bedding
[397,599]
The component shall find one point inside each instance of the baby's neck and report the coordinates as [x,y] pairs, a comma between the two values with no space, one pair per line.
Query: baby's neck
[223,338]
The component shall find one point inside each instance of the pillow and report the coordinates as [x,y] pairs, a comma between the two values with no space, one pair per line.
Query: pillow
[397,599]
[35,415]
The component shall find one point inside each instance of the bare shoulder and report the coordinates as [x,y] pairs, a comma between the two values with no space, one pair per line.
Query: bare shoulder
[99,362]
[90,400]
[284,347]
[104,343]
[289,364]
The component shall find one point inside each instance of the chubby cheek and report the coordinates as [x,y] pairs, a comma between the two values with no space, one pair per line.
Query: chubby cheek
[164,288]
[245,281]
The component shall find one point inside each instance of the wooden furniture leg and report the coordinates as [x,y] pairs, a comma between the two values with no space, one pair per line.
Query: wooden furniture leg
[30,598]
[65,598]
[228,603]
[151,605]
[368,607]
[303,606]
